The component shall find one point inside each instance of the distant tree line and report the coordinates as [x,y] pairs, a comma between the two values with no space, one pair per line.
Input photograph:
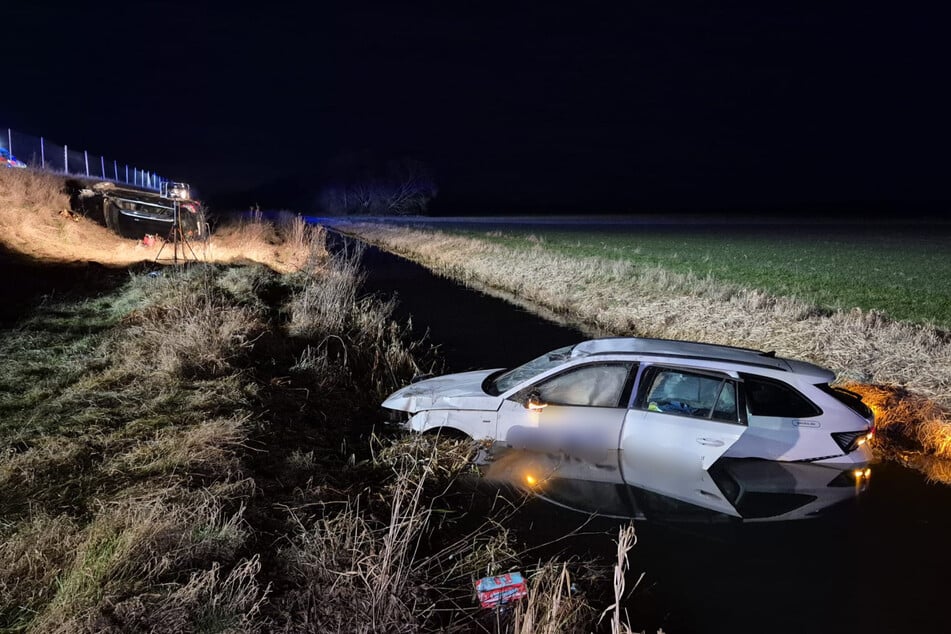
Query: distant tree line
[361,186]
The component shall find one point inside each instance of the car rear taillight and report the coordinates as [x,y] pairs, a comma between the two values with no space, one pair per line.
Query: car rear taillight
[849,441]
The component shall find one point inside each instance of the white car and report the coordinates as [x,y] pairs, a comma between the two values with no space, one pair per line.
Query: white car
[664,403]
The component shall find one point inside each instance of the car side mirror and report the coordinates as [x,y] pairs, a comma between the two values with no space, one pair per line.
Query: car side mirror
[534,401]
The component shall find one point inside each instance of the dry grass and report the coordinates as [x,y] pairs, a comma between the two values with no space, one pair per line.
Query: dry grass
[551,607]
[35,221]
[286,244]
[901,413]
[355,576]
[626,540]
[351,340]
[910,429]
[326,302]
[124,467]
[207,449]
[153,442]
[356,570]
[193,331]
[32,557]
[133,553]
[354,573]
[616,297]
[122,473]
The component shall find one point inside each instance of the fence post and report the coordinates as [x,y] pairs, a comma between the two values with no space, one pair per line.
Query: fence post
[42,153]
[65,159]
[115,169]
[102,162]
[126,173]
[86,159]
[9,141]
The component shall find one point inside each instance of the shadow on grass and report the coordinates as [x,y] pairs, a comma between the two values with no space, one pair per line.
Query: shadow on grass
[26,282]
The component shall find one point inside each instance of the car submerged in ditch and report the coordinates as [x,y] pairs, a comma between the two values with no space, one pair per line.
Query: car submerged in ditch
[664,403]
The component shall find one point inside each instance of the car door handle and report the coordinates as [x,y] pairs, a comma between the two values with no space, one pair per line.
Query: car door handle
[711,442]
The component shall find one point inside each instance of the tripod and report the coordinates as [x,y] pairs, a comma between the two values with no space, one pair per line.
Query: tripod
[177,238]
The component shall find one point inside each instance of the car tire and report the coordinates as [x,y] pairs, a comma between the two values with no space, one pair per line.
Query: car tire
[448,433]
[110,213]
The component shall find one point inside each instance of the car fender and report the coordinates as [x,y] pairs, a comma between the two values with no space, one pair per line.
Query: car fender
[476,424]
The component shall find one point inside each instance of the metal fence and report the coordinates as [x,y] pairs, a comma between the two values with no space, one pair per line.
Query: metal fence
[39,153]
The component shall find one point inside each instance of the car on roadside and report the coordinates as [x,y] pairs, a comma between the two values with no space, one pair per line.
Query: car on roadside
[8,160]
[665,403]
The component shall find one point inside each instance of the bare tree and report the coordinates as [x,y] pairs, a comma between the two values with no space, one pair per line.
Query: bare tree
[399,187]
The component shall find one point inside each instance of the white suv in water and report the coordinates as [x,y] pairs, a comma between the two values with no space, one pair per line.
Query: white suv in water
[662,402]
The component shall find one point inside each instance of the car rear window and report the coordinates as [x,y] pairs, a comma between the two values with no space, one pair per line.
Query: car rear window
[850,399]
[768,397]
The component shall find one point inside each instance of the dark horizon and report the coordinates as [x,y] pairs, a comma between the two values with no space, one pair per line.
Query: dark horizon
[623,109]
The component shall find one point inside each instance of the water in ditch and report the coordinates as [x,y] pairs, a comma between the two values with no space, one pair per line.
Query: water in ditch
[875,560]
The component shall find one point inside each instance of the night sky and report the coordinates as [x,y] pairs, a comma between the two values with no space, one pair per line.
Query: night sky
[628,107]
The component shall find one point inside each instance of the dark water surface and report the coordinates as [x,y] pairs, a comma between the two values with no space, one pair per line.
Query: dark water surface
[880,562]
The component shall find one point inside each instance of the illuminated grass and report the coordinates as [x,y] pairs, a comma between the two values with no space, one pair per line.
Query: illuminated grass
[191,453]
[35,222]
[901,272]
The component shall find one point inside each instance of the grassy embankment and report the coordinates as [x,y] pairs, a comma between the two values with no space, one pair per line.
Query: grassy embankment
[36,222]
[802,299]
[193,452]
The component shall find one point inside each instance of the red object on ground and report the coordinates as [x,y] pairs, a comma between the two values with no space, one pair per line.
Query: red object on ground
[494,591]
[148,240]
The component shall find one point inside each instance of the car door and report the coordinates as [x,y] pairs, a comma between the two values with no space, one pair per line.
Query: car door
[681,420]
[581,408]
[683,480]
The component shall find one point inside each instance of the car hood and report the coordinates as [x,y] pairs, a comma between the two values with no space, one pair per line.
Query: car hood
[453,391]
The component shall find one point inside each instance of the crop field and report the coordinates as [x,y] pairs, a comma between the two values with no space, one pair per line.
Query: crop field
[904,273]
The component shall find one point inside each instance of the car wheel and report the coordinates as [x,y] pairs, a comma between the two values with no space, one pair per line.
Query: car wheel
[110,213]
[447,433]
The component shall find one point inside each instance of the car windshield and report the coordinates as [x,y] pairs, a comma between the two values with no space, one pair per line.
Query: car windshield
[508,380]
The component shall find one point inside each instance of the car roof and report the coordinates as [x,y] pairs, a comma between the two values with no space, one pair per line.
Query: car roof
[696,350]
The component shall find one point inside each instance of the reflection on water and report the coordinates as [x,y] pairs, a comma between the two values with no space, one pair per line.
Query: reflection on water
[612,484]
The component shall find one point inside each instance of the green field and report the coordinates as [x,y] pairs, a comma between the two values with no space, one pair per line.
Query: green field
[902,272]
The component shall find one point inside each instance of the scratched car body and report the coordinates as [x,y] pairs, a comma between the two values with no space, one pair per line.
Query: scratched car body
[662,402]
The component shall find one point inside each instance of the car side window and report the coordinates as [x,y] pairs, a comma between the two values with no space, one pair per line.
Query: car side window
[594,385]
[768,397]
[675,391]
